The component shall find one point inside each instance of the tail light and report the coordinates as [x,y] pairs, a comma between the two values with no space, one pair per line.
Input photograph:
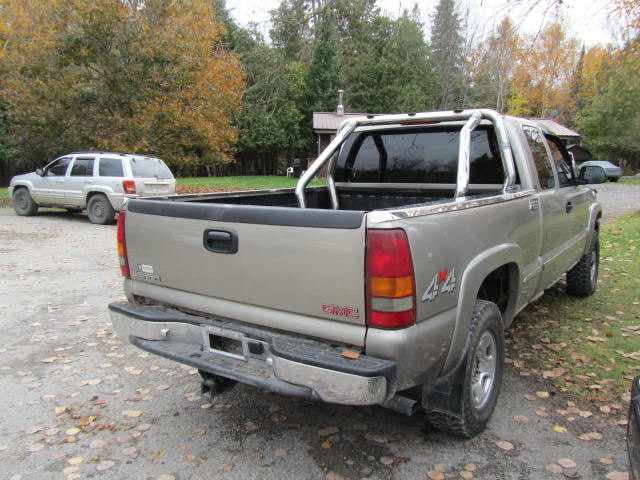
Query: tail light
[389,280]
[129,186]
[122,245]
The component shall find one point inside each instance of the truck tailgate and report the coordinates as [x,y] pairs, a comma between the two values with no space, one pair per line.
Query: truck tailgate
[309,263]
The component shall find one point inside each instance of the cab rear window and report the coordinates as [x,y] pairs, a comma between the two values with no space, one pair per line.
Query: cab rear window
[425,155]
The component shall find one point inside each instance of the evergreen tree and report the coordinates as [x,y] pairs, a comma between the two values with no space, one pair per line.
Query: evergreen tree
[323,78]
[447,46]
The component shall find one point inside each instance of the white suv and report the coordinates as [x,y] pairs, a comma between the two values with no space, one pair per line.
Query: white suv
[96,181]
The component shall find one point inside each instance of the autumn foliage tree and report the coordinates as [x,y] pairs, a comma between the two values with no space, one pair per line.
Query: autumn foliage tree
[146,77]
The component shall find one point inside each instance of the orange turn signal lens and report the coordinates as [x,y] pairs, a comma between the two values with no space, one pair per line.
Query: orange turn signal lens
[391,287]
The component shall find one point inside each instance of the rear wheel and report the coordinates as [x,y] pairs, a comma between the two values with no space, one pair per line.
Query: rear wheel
[23,204]
[479,382]
[99,210]
[582,280]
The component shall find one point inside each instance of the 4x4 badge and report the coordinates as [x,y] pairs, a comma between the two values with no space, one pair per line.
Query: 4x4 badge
[443,282]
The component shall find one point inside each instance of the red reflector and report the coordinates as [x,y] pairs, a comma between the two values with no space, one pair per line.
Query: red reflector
[122,245]
[390,284]
[391,319]
[129,186]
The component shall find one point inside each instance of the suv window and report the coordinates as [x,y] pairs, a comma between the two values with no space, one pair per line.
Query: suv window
[59,167]
[562,162]
[149,168]
[82,167]
[540,156]
[110,167]
[425,155]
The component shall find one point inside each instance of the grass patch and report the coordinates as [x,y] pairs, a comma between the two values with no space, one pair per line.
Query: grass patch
[254,182]
[4,192]
[588,347]
[629,181]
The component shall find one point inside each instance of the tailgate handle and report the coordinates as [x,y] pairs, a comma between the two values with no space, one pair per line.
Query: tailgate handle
[221,241]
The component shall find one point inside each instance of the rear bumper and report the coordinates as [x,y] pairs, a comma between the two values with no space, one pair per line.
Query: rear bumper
[266,359]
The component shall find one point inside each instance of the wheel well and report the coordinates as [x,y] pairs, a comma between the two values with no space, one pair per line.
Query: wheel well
[501,288]
[18,187]
[596,226]
[93,194]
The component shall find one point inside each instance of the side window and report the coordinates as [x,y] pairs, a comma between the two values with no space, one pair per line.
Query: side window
[366,165]
[82,167]
[59,167]
[110,167]
[561,162]
[541,160]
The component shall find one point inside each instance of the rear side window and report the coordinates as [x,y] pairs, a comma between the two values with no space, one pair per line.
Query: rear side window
[564,172]
[82,167]
[428,155]
[110,167]
[149,168]
[541,160]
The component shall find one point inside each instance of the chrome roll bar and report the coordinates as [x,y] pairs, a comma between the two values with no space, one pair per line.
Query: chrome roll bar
[473,118]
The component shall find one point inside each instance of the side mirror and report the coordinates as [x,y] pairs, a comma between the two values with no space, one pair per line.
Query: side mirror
[40,172]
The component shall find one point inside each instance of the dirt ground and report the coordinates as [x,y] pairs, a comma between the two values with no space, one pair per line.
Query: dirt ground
[76,402]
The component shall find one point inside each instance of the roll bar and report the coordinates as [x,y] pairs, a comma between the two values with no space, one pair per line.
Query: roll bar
[473,118]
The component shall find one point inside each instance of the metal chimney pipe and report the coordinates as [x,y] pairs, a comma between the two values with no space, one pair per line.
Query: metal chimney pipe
[340,109]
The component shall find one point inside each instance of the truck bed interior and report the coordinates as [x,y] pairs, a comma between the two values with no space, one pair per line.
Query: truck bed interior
[355,199]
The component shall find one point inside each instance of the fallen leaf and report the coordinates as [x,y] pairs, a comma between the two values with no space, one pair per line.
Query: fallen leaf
[585,413]
[435,475]
[471,467]
[616,475]
[386,460]
[553,468]
[466,475]
[520,419]
[567,463]
[227,467]
[504,445]
[75,460]
[133,413]
[542,394]
[73,431]
[105,465]
[606,460]
[327,444]
[351,354]
[559,429]
[589,436]
[166,476]
[143,427]
[279,452]
[326,431]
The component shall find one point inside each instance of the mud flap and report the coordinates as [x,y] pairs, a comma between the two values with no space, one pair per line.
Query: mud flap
[447,395]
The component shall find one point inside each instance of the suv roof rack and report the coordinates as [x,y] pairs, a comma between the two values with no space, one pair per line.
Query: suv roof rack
[98,152]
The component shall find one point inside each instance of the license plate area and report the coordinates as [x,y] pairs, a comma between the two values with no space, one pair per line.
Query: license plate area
[233,344]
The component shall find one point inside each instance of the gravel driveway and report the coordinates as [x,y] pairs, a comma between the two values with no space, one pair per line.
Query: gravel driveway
[77,402]
[617,198]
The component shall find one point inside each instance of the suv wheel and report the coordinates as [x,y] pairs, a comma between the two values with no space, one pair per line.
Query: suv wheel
[481,378]
[582,280]
[23,204]
[99,210]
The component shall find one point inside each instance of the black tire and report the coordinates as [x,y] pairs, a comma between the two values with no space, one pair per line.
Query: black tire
[23,204]
[614,179]
[100,211]
[475,411]
[582,279]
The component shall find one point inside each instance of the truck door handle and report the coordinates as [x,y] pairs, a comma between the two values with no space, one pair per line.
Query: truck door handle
[220,241]
[569,207]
